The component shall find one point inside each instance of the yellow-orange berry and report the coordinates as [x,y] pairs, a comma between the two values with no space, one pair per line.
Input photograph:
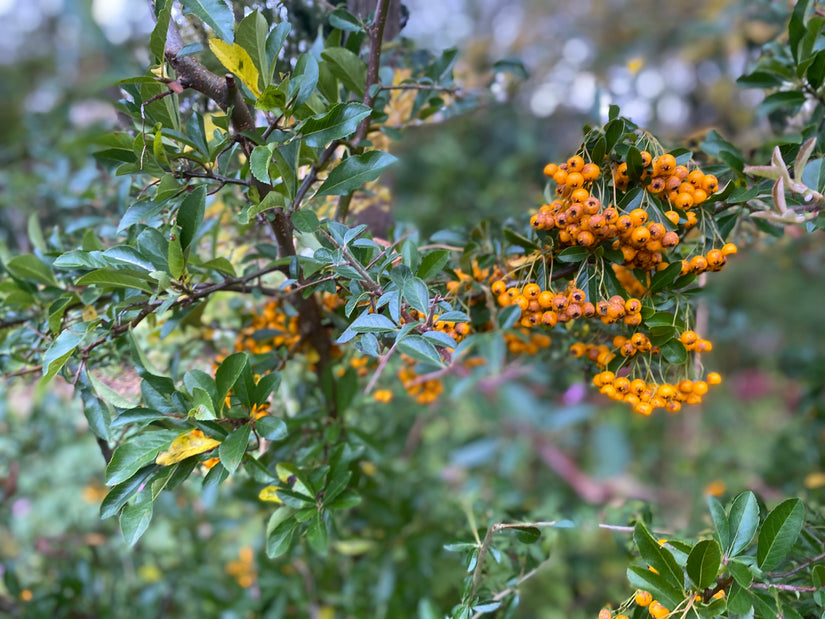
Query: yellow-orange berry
[657,611]
[498,287]
[550,169]
[714,378]
[643,598]
[729,248]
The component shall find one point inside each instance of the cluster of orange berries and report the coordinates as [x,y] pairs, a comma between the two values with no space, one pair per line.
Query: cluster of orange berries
[682,187]
[602,355]
[465,280]
[271,318]
[525,343]
[645,600]
[422,391]
[629,281]
[645,397]
[713,261]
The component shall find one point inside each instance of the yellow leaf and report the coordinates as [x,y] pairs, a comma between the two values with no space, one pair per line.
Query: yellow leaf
[236,60]
[188,444]
[89,314]
[268,494]
[815,480]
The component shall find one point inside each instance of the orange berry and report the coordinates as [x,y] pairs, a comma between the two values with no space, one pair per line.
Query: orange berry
[714,378]
[575,163]
[643,598]
[673,217]
[604,614]
[657,611]
[574,180]
[664,165]
[531,291]
[710,184]
[638,216]
[550,169]
[498,287]
[560,177]
[729,248]
[590,171]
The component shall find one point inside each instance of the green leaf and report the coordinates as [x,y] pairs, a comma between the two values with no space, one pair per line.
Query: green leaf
[214,13]
[432,263]
[190,215]
[354,172]
[674,352]
[271,428]
[157,41]
[98,414]
[279,532]
[304,79]
[346,500]
[743,522]
[119,494]
[703,563]
[251,36]
[30,267]
[372,323]
[417,295]
[573,254]
[305,221]
[274,43]
[661,589]
[665,278]
[339,122]
[344,20]
[177,262]
[135,519]
[317,534]
[59,352]
[720,520]
[740,572]
[421,349]
[528,535]
[259,162]
[117,278]
[227,375]
[657,556]
[787,100]
[739,600]
[136,453]
[779,533]
[233,447]
[347,67]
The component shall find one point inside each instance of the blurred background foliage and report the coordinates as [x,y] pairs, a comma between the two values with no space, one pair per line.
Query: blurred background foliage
[537,446]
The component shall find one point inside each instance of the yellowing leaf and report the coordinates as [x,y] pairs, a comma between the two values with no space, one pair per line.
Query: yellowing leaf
[89,314]
[268,494]
[238,61]
[815,480]
[188,444]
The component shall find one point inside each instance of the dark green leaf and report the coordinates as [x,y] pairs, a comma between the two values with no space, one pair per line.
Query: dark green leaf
[251,35]
[157,41]
[347,67]
[233,447]
[317,534]
[703,563]
[779,533]
[674,352]
[657,556]
[432,263]
[275,41]
[227,374]
[30,267]
[661,589]
[354,172]
[136,453]
[339,122]
[118,278]
[720,521]
[573,254]
[279,532]
[190,215]
[121,493]
[665,278]
[743,522]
